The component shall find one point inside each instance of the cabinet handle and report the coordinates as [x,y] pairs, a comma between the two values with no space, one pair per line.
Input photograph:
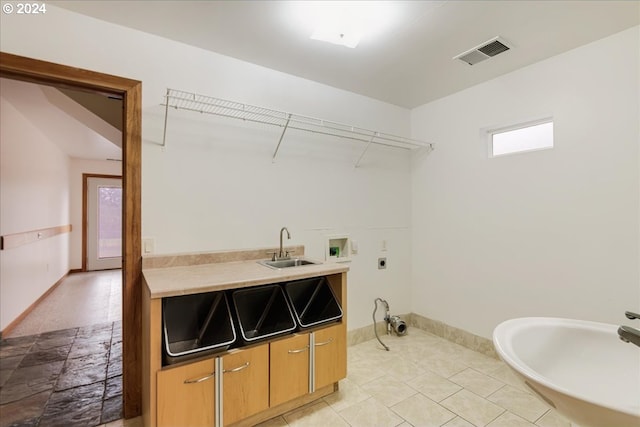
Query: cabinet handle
[239,368]
[201,379]
[300,350]
[324,343]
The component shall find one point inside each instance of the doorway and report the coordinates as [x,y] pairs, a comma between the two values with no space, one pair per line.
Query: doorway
[102,222]
[33,70]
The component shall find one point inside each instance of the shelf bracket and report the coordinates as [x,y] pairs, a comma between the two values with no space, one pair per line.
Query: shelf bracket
[286,125]
[166,117]
[365,149]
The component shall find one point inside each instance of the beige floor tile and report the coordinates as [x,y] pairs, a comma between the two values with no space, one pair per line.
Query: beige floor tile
[404,370]
[506,375]
[476,382]
[510,420]
[365,370]
[370,413]
[434,386]
[421,411]
[372,350]
[388,390]
[520,403]
[472,408]
[481,363]
[349,394]
[315,415]
[131,422]
[458,422]
[273,422]
[442,364]
[552,419]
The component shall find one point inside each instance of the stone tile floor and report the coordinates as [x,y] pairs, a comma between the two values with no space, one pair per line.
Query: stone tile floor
[69,377]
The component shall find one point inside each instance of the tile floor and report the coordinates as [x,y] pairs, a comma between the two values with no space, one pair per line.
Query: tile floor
[71,377]
[423,380]
[81,299]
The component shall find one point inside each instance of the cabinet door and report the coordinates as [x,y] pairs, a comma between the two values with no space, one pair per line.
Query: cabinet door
[330,355]
[289,364]
[245,383]
[186,395]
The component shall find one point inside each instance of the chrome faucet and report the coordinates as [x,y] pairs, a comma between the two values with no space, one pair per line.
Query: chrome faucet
[281,254]
[627,333]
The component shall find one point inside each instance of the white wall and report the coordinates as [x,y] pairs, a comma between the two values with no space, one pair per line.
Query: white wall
[77,167]
[214,187]
[547,233]
[34,194]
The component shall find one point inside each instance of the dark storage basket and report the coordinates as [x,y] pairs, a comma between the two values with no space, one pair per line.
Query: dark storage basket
[313,301]
[196,325]
[262,312]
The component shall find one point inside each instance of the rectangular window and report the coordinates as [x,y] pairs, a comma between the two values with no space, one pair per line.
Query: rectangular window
[530,136]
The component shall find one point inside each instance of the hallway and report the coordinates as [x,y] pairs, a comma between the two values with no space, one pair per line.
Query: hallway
[62,364]
[82,299]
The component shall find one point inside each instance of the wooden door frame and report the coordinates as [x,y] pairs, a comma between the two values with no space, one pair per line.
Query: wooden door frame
[85,213]
[33,70]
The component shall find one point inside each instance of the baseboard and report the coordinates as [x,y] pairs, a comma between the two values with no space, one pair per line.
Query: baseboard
[76,270]
[448,332]
[29,309]
[453,334]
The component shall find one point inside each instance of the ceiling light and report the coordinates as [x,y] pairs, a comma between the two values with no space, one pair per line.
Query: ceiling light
[344,23]
[343,38]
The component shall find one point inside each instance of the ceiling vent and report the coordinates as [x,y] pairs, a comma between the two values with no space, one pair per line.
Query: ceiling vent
[484,51]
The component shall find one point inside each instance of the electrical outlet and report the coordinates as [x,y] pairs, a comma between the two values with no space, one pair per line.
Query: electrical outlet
[382,263]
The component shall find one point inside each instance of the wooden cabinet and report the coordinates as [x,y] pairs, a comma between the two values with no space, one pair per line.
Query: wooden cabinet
[307,362]
[242,386]
[245,383]
[330,355]
[186,395]
[289,367]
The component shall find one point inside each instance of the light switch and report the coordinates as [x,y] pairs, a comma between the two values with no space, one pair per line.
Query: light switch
[148,245]
[354,247]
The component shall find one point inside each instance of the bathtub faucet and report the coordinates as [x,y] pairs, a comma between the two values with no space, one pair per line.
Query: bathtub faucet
[631,315]
[627,333]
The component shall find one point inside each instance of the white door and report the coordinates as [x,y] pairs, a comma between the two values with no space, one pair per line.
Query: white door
[104,223]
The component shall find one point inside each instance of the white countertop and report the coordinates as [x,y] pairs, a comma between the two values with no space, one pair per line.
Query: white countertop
[184,280]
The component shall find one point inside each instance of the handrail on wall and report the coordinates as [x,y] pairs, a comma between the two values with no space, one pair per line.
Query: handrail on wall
[10,241]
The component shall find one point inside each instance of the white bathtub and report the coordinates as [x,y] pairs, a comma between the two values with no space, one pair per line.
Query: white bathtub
[580,368]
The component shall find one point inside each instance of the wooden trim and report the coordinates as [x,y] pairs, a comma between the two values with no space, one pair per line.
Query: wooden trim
[29,309]
[10,241]
[75,270]
[85,218]
[29,69]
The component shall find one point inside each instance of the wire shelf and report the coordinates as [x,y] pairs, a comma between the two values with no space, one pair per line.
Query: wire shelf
[181,100]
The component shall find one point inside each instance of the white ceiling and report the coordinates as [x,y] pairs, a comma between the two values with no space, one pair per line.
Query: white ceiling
[77,131]
[407,63]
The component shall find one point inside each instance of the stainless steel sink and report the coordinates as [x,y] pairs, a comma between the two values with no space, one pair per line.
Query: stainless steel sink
[286,263]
